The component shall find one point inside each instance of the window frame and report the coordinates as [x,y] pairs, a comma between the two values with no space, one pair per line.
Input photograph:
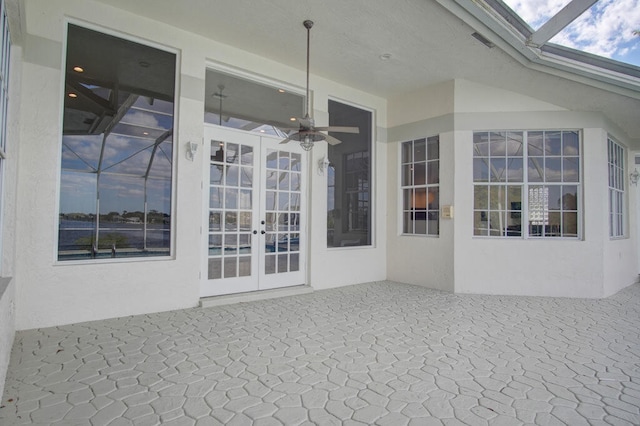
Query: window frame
[412,186]
[67,22]
[527,185]
[616,167]
[5,64]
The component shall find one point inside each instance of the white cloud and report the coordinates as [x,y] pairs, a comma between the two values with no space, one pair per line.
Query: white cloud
[606,29]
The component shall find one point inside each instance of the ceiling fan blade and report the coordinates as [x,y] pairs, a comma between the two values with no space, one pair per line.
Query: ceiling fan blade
[339,129]
[287,140]
[332,141]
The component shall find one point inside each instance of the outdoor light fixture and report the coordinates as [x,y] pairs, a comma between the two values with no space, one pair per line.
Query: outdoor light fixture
[306,143]
[192,148]
[634,176]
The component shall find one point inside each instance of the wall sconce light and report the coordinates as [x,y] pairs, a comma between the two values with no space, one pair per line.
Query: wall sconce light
[192,148]
[634,176]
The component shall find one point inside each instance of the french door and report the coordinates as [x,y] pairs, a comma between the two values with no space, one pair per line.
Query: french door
[254,230]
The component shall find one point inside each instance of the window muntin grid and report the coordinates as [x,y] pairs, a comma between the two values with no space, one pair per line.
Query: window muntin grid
[545,192]
[420,185]
[616,159]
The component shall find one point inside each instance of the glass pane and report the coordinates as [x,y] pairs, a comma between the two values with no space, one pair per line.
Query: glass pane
[231,221]
[283,263]
[270,264]
[215,198]
[270,242]
[230,267]
[407,199]
[571,169]
[498,144]
[215,221]
[295,181]
[515,172]
[433,223]
[215,268]
[480,197]
[283,160]
[215,244]
[433,148]
[233,173]
[230,244]
[283,222]
[514,144]
[481,144]
[536,169]
[407,150]
[553,229]
[553,143]
[570,143]
[233,151]
[480,223]
[231,199]
[245,199]
[244,266]
[296,162]
[272,179]
[294,242]
[283,201]
[215,175]
[407,175]
[217,152]
[514,197]
[407,223]
[246,177]
[552,169]
[419,201]
[294,202]
[570,224]
[270,203]
[419,173]
[496,223]
[419,150]
[283,181]
[245,221]
[433,172]
[270,223]
[553,196]
[535,143]
[272,159]
[433,198]
[294,262]
[246,156]
[481,170]
[569,197]
[497,197]
[244,246]
[498,168]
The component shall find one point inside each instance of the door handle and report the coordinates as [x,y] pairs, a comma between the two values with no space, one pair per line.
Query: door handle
[263,232]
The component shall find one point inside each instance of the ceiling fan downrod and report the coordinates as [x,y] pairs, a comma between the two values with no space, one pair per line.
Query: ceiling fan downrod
[308,24]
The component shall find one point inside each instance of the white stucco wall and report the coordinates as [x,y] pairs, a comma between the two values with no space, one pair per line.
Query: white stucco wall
[594,266]
[51,293]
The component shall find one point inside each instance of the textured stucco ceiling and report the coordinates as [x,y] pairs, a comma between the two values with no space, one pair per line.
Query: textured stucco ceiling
[427,42]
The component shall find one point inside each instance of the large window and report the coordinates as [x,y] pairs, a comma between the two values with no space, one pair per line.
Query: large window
[421,186]
[533,175]
[117,148]
[5,47]
[616,159]
[349,178]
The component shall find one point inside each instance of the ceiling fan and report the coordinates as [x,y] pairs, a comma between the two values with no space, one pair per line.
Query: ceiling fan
[308,133]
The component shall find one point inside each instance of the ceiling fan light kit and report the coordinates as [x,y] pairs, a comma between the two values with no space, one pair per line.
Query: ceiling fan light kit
[308,133]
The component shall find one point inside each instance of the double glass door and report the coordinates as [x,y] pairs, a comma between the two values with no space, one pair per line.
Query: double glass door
[255,219]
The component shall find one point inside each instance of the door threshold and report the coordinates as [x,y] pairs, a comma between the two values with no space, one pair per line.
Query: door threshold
[230,299]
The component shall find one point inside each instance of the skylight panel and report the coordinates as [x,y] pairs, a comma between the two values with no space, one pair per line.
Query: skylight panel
[606,29]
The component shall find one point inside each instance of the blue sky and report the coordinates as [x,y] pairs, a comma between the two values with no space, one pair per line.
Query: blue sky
[606,29]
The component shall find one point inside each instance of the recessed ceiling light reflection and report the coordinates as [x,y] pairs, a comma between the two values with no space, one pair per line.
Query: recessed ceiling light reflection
[281,90]
[72,95]
[292,119]
[78,69]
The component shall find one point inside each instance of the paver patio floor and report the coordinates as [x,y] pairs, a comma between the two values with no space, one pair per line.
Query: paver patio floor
[379,353]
